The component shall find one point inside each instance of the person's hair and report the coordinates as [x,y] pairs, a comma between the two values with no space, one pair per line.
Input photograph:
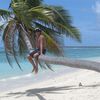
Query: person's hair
[37,30]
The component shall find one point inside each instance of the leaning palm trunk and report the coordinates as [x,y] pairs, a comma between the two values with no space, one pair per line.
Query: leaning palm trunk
[82,64]
[26,39]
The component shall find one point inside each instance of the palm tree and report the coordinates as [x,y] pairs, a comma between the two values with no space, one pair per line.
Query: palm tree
[20,20]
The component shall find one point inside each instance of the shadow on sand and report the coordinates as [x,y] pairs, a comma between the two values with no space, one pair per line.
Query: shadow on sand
[49,90]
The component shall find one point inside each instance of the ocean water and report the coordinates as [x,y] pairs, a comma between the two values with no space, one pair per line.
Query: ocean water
[8,73]
[82,53]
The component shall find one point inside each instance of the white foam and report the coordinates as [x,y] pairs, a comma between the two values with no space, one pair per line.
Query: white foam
[3,80]
[16,77]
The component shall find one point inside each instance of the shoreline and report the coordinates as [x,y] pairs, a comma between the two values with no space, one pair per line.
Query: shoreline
[20,81]
[56,77]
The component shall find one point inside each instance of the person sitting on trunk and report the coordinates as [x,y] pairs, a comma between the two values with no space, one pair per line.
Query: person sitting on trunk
[40,44]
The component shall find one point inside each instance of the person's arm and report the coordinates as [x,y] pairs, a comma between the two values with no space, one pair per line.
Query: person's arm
[41,45]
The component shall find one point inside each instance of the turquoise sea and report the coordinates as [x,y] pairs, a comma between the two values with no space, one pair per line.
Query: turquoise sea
[78,53]
[9,75]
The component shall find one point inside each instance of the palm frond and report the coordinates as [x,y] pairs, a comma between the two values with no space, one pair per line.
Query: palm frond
[6,46]
[7,36]
[59,14]
[34,3]
[63,19]
[49,66]
[21,43]
[56,20]
[42,65]
[9,42]
[8,58]
[21,13]
[63,14]
[30,3]
[14,52]
[5,14]
[52,45]
[69,31]
[2,27]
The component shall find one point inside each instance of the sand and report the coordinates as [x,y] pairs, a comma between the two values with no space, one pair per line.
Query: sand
[78,85]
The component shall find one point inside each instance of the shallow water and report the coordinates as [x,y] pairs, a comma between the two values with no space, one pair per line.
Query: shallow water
[6,72]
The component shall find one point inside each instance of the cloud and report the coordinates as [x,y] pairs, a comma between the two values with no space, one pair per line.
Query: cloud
[96,10]
[97,7]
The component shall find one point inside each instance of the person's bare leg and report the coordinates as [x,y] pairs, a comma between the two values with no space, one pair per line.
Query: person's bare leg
[36,61]
[32,62]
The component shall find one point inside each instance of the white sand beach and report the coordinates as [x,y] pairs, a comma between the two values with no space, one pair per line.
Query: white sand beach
[79,85]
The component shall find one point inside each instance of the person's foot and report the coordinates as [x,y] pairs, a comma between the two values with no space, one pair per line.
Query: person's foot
[35,69]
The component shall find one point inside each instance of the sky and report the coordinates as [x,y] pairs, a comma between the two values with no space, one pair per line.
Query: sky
[85,16]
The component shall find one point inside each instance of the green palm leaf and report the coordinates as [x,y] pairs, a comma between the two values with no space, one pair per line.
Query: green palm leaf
[9,42]
[5,14]
[2,27]
[62,26]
